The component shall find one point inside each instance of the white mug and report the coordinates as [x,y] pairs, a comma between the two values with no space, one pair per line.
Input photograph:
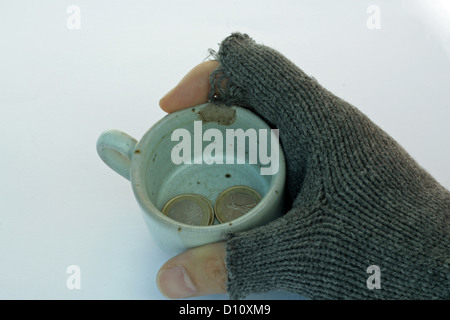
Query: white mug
[175,156]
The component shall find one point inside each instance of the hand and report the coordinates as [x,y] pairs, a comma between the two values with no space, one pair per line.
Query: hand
[358,198]
[199,271]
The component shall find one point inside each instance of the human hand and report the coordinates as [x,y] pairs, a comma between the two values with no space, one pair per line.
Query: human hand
[358,198]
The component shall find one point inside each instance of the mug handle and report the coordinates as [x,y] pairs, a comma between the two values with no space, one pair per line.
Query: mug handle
[116,149]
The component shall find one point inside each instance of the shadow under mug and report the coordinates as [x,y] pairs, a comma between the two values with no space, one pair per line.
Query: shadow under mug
[156,176]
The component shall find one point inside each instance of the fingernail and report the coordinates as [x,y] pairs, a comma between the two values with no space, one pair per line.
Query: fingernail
[162,101]
[175,283]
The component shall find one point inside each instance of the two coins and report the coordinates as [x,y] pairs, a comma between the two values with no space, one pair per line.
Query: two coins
[194,209]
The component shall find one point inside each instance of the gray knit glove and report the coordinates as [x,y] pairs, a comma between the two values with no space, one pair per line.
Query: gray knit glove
[358,198]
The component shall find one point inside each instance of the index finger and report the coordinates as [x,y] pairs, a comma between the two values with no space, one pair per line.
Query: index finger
[192,90]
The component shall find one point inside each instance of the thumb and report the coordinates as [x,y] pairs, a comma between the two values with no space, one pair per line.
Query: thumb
[196,272]
[192,90]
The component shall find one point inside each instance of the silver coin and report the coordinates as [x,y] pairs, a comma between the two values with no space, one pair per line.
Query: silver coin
[189,208]
[234,202]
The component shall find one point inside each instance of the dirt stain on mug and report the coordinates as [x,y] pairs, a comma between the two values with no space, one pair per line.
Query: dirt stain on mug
[220,114]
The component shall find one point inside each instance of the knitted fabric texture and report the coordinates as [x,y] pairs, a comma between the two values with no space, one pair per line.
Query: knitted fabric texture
[358,199]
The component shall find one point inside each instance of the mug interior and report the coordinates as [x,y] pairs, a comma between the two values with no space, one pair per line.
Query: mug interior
[162,179]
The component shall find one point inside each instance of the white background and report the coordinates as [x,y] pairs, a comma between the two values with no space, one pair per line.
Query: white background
[60,88]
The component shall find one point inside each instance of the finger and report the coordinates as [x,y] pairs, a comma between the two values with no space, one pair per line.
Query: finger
[196,272]
[192,90]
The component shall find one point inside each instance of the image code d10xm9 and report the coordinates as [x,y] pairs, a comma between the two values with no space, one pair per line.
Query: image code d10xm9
[243,309]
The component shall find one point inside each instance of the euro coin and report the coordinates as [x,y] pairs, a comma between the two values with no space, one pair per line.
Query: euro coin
[234,202]
[189,208]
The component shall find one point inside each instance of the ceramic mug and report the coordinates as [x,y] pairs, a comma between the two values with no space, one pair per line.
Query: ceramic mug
[199,150]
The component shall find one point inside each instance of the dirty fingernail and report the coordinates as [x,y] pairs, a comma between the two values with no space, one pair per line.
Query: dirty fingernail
[175,283]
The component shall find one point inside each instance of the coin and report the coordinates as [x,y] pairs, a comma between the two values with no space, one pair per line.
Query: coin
[234,202]
[190,208]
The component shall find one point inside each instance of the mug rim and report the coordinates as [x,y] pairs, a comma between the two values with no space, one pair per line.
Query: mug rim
[138,182]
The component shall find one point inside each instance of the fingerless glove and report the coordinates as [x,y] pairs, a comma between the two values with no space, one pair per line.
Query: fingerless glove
[358,199]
